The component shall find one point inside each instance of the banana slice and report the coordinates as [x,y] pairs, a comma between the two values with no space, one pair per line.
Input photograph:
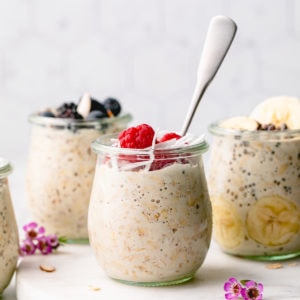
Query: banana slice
[240,123]
[227,224]
[278,110]
[273,221]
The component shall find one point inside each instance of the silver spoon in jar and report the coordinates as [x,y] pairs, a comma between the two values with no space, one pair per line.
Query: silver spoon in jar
[219,37]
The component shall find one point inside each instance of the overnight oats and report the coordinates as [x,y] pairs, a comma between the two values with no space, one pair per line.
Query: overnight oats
[9,241]
[61,163]
[254,181]
[150,217]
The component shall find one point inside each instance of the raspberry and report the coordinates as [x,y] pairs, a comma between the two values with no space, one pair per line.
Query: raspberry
[160,162]
[169,136]
[163,160]
[138,137]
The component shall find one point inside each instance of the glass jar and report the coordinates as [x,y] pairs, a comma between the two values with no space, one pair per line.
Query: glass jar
[60,171]
[254,185]
[9,241]
[149,220]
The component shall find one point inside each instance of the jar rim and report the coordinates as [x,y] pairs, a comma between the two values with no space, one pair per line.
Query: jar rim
[215,129]
[104,144]
[67,123]
[5,167]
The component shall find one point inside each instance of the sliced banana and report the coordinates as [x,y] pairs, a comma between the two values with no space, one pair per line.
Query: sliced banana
[240,123]
[273,221]
[278,110]
[227,224]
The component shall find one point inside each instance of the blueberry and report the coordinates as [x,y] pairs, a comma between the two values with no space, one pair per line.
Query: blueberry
[69,110]
[97,105]
[113,105]
[71,106]
[47,113]
[96,114]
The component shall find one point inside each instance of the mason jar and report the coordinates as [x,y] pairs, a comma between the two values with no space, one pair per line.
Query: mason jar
[9,241]
[254,185]
[60,171]
[150,216]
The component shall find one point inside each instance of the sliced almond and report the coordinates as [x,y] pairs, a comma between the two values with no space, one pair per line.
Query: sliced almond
[293,264]
[47,268]
[274,266]
[84,105]
[94,288]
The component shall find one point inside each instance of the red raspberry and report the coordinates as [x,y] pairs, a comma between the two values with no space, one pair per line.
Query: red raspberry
[169,136]
[160,162]
[138,137]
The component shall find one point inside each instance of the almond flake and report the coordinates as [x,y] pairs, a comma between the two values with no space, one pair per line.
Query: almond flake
[47,268]
[274,266]
[94,288]
[294,264]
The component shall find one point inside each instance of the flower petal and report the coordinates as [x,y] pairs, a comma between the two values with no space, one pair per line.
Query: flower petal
[30,226]
[260,287]
[230,296]
[227,286]
[250,284]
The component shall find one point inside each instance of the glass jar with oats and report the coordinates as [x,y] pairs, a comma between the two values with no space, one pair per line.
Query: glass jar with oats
[61,168]
[150,215]
[254,181]
[9,241]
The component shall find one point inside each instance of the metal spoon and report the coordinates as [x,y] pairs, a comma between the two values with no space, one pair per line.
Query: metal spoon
[219,37]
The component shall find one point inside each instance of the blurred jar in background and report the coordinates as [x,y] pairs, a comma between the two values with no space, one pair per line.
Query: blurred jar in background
[9,239]
[60,171]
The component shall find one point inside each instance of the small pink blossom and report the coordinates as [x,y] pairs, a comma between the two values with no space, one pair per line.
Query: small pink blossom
[43,246]
[35,239]
[52,240]
[33,230]
[244,289]
[27,247]
[232,288]
[252,290]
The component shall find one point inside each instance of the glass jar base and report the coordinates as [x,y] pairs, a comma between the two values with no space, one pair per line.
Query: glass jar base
[157,283]
[275,257]
[83,241]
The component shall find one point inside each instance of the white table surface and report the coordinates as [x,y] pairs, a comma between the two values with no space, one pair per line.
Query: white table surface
[78,276]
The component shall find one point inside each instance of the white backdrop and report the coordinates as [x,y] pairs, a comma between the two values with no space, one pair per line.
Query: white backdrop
[144,52]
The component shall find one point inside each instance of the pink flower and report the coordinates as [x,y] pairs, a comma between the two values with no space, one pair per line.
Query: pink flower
[36,240]
[252,290]
[33,230]
[27,247]
[52,240]
[232,288]
[43,246]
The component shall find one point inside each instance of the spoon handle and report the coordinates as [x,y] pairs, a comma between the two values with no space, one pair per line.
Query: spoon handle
[219,37]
